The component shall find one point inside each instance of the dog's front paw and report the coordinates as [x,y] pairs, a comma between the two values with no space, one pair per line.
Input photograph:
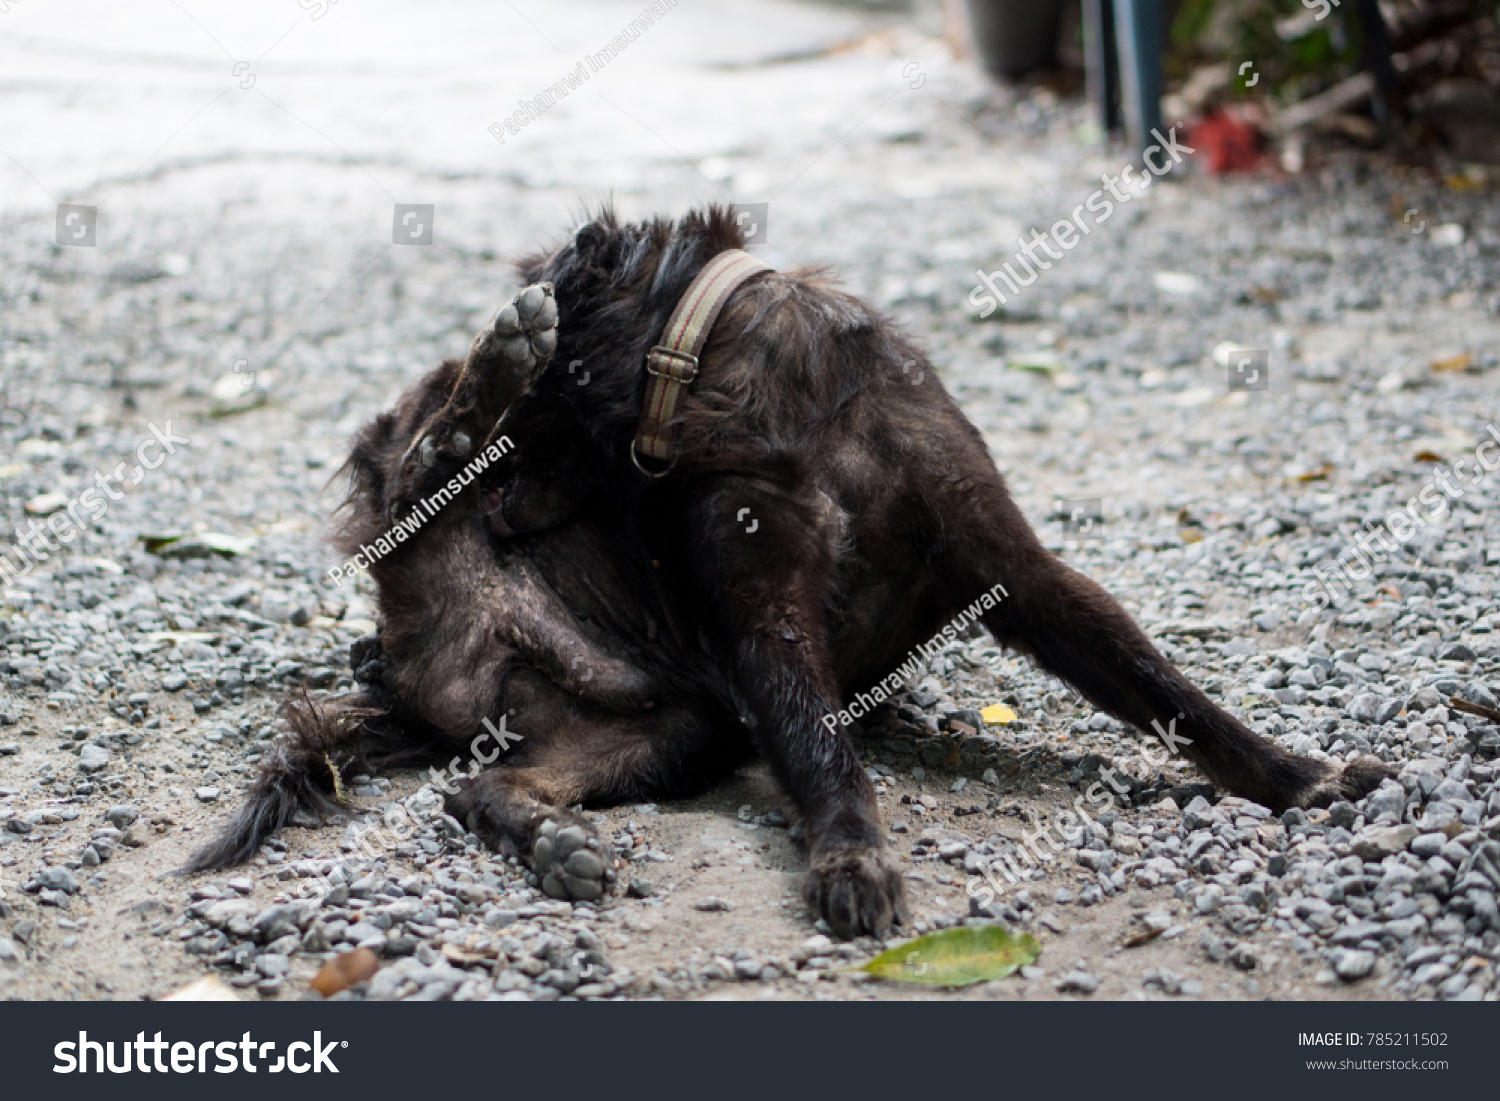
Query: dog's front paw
[858,891]
[522,337]
[571,860]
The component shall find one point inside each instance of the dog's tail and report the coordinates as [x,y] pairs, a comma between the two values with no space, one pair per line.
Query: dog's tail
[305,769]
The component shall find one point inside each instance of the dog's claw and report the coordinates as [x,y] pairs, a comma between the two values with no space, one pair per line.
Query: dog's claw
[1352,782]
[858,891]
[370,665]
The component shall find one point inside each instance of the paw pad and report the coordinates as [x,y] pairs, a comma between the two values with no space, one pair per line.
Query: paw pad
[570,862]
[524,333]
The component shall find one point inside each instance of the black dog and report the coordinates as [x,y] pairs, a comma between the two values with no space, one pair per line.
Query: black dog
[878,515]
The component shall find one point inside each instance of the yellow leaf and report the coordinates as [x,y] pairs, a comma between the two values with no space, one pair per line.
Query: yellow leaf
[464,956]
[997,714]
[1459,362]
[1319,475]
[339,794]
[342,972]
[1041,363]
[201,545]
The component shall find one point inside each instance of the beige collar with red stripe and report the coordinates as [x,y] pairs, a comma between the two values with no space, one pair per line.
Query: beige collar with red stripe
[672,365]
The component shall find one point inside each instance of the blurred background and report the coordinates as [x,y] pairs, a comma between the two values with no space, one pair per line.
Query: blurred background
[235,170]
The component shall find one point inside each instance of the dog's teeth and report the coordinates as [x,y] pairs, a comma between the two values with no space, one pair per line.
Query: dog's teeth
[507,321]
[546,317]
[428,454]
[461,443]
[530,304]
[544,343]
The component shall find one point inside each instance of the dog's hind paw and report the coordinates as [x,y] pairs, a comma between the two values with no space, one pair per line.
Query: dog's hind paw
[523,335]
[1351,782]
[571,861]
[858,891]
[370,665]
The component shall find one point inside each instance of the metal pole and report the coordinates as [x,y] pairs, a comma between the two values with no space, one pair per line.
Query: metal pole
[1138,30]
[1101,64]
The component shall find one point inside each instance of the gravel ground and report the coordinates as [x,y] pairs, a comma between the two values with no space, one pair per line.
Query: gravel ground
[139,681]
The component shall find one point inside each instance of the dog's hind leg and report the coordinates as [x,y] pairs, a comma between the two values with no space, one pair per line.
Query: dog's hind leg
[1079,632]
[455,414]
[457,617]
[457,609]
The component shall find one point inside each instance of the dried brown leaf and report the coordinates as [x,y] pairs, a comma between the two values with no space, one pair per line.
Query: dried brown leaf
[343,971]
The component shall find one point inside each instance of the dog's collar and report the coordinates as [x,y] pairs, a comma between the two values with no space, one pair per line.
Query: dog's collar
[672,365]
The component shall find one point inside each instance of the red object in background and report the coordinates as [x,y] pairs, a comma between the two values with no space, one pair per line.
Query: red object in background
[1226,143]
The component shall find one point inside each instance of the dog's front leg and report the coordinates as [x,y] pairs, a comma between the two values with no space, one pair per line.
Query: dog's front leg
[768,587]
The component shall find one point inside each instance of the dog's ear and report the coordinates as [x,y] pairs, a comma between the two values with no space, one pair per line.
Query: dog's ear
[590,240]
[599,248]
[591,249]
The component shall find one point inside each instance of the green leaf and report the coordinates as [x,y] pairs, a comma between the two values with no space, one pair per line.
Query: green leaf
[1038,363]
[154,542]
[956,957]
[197,546]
